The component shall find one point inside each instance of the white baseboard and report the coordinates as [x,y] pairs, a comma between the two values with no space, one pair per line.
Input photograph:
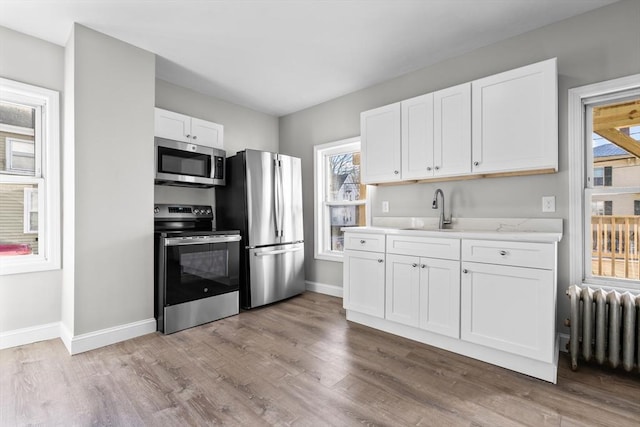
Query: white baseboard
[323,288]
[79,343]
[104,337]
[29,335]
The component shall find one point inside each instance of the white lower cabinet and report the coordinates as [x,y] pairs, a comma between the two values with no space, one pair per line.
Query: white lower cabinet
[488,299]
[424,292]
[402,298]
[363,278]
[509,308]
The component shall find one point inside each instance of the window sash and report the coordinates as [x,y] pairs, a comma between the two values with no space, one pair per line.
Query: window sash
[45,176]
[323,201]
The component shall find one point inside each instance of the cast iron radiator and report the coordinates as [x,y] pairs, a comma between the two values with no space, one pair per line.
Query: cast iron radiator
[605,325]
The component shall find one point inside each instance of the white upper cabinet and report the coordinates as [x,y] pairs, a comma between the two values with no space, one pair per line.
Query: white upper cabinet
[452,131]
[417,137]
[180,127]
[501,124]
[380,144]
[515,120]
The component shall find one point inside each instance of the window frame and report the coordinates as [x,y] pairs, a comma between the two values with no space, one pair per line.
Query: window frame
[580,176]
[46,177]
[322,238]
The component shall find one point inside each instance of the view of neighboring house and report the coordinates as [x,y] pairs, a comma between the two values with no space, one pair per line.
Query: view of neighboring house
[19,214]
[615,209]
[613,166]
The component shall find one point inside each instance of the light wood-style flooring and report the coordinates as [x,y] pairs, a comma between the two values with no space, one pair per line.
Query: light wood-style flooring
[298,362]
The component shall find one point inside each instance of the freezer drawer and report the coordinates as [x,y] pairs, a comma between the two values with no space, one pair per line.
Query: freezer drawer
[276,272]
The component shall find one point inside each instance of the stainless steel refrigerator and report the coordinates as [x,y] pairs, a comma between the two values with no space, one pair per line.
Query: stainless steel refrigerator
[263,199]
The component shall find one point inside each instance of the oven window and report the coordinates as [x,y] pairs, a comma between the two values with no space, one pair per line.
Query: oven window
[182,162]
[199,271]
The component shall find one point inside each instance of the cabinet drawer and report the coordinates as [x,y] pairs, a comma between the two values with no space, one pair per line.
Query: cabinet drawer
[364,242]
[432,247]
[518,254]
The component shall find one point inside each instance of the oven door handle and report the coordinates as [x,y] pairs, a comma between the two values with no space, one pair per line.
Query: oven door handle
[181,241]
[278,251]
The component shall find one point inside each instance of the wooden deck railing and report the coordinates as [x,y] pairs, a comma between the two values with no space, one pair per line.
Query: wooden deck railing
[615,240]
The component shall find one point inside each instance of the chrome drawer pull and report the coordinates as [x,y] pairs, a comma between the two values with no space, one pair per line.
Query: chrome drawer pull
[362,242]
[379,260]
[414,265]
[503,253]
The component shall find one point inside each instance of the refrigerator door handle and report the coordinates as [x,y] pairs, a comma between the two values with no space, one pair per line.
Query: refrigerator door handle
[276,192]
[279,199]
[277,252]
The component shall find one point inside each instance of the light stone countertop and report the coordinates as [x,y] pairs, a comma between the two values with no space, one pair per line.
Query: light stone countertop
[543,230]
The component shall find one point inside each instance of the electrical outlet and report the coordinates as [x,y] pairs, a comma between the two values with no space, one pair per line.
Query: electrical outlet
[385,206]
[548,203]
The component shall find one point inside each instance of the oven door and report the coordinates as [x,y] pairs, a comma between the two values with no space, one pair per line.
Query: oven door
[200,267]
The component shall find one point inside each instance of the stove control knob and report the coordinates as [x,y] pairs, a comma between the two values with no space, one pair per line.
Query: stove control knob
[208,212]
[156,210]
[196,211]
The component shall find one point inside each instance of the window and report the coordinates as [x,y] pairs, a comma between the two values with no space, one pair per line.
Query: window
[602,176]
[340,197]
[29,178]
[604,138]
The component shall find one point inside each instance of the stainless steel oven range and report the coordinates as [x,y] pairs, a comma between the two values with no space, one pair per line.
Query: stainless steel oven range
[196,267]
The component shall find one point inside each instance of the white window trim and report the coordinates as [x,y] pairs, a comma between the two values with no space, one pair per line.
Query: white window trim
[321,219]
[577,129]
[47,176]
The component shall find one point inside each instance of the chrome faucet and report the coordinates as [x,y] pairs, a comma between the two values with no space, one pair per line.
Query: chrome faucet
[443,221]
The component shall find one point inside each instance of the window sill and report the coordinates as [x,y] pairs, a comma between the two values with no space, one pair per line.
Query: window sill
[613,284]
[13,265]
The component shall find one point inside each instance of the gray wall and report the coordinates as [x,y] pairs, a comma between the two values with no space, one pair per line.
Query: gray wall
[243,128]
[596,46]
[30,299]
[112,190]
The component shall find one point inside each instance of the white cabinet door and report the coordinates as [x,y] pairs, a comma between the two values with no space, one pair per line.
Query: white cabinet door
[380,144]
[452,131]
[515,120]
[440,296]
[509,308]
[363,279]
[207,133]
[171,125]
[403,289]
[417,137]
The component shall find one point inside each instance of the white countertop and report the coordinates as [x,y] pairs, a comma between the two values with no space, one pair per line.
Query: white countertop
[507,229]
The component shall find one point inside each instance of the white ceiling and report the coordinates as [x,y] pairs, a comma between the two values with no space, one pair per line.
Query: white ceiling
[281,56]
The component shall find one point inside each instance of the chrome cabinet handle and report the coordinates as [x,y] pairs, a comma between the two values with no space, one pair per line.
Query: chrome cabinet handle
[396,172]
[188,135]
[422,266]
[476,163]
[437,167]
[195,136]
[379,260]
[428,168]
[503,253]
[362,242]
[465,271]
[414,265]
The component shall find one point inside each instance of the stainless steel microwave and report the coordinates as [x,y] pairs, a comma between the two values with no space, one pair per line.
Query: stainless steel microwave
[188,165]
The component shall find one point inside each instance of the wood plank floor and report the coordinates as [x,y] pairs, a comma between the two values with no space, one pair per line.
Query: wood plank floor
[298,362]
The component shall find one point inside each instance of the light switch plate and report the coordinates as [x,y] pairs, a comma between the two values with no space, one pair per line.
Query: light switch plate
[385,206]
[548,203]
